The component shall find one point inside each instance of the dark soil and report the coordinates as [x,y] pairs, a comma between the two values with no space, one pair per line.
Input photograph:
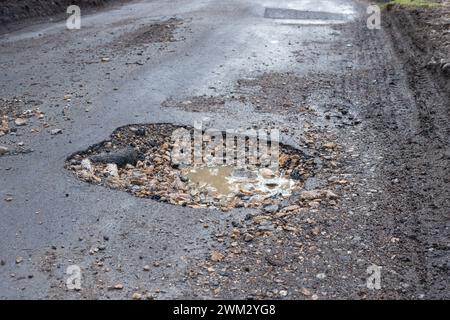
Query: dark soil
[426,33]
[15,10]
[421,38]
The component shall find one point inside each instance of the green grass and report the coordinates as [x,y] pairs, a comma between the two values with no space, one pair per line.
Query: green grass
[411,3]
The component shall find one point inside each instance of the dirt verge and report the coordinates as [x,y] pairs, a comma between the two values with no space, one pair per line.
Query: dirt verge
[426,37]
[143,35]
[16,10]
[420,37]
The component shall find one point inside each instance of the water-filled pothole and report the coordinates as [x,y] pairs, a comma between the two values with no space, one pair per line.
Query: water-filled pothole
[228,181]
[139,159]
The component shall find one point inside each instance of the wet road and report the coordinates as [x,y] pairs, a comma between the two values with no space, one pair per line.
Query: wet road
[55,220]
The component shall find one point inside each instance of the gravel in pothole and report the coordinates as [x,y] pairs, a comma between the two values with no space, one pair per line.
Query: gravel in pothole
[18,112]
[161,32]
[137,159]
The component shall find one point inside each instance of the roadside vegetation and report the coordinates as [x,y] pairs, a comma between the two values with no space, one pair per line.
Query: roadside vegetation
[411,3]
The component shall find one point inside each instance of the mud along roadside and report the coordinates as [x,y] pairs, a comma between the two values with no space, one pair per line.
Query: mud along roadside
[425,42]
[18,14]
[421,38]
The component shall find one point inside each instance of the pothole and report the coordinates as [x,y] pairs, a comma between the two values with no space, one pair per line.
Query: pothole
[228,180]
[157,32]
[139,159]
[161,32]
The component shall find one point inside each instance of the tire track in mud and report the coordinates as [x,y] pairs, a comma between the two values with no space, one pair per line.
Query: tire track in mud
[409,118]
[430,147]
[381,98]
[389,117]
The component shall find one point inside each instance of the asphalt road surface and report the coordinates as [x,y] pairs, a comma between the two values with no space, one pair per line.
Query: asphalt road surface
[347,91]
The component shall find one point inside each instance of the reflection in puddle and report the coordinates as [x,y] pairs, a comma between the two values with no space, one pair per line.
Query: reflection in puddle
[214,177]
[228,181]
